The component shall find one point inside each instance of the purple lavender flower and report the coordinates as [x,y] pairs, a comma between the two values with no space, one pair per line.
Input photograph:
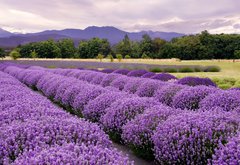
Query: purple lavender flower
[137,73]
[194,81]
[89,77]
[137,133]
[227,100]
[108,70]
[121,71]
[167,92]
[70,153]
[71,93]
[148,75]
[97,107]
[85,96]
[163,77]
[98,78]
[133,84]
[19,137]
[192,137]
[107,80]
[189,98]
[120,82]
[228,153]
[122,111]
[148,88]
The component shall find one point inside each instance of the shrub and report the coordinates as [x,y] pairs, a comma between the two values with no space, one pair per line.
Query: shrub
[120,82]
[156,70]
[119,57]
[85,96]
[122,111]
[127,57]
[163,77]
[133,84]
[148,75]
[107,80]
[189,98]
[228,153]
[167,92]
[20,137]
[186,70]
[70,153]
[191,138]
[137,133]
[100,57]
[71,92]
[137,73]
[110,57]
[212,69]
[227,100]
[198,69]
[122,71]
[148,88]
[97,107]
[98,78]
[170,70]
[108,70]
[194,81]
[15,55]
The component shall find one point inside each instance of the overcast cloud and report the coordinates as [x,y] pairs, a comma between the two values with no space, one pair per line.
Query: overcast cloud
[184,16]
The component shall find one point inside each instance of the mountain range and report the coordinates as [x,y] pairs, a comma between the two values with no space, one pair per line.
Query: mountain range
[114,35]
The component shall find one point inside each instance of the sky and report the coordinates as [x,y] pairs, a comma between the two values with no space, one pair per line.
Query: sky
[183,16]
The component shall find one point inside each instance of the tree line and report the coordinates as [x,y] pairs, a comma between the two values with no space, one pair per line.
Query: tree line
[191,47]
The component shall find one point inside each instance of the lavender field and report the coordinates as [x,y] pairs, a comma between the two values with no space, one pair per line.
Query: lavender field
[82,116]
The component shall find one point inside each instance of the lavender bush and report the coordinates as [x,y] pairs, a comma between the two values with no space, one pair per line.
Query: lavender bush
[189,98]
[194,81]
[192,137]
[137,133]
[163,77]
[166,94]
[227,100]
[122,111]
[73,154]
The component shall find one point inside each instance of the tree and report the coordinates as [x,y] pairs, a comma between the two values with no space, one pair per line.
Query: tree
[127,56]
[34,54]
[14,54]
[110,57]
[236,55]
[145,56]
[158,43]
[124,47]
[146,46]
[2,53]
[100,57]
[91,48]
[119,57]
[48,49]
[67,48]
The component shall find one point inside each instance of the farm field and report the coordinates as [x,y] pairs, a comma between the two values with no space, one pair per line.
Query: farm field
[159,118]
[229,69]
[227,77]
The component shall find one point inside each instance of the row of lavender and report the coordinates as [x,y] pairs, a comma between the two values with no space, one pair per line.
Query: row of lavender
[34,131]
[177,136]
[166,91]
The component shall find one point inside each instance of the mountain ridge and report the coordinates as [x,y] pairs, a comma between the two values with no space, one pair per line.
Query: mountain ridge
[113,34]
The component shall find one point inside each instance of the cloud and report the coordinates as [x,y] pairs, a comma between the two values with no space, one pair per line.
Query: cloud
[185,16]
